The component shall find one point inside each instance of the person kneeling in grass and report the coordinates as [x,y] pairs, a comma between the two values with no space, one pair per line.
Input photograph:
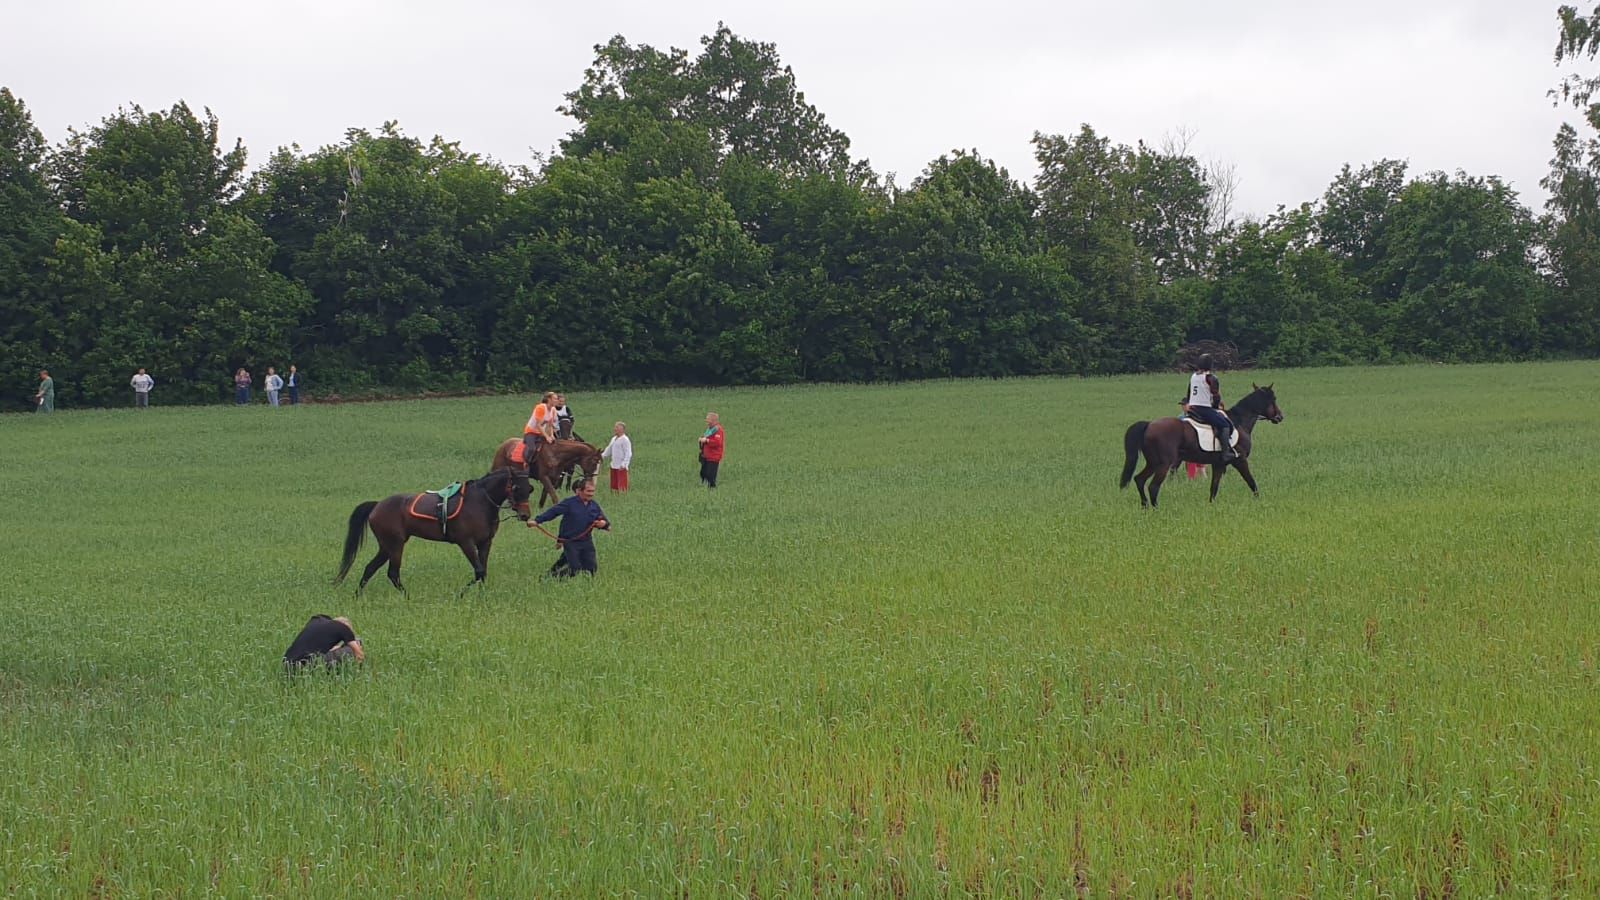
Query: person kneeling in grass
[580,516]
[331,641]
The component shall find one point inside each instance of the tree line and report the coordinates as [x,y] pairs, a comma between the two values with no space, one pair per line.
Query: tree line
[703,224]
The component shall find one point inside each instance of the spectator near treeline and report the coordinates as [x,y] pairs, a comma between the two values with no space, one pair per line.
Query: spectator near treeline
[141,383]
[293,384]
[274,385]
[45,400]
[241,387]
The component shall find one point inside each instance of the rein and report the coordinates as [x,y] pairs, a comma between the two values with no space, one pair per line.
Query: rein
[560,542]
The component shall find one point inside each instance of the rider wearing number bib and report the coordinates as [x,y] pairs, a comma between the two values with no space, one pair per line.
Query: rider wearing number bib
[1205,404]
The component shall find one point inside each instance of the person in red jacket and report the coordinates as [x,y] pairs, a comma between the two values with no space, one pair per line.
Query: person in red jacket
[711,445]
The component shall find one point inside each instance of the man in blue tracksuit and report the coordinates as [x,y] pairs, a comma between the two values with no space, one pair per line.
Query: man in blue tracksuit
[580,516]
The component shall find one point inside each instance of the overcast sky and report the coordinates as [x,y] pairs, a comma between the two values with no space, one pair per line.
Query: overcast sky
[1285,92]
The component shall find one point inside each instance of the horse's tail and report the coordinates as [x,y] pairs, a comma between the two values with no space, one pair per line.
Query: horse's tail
[1132,442]
[352,541]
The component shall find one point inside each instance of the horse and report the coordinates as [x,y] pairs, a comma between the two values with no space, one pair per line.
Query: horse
[472,527]
[555,460]
[1168,441]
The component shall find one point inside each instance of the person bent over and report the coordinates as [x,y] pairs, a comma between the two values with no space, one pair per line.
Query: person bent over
[580,516]
[330,641]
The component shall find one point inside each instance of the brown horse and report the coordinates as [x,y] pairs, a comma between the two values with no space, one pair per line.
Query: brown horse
[471,528]
[555,461]
[1168,441]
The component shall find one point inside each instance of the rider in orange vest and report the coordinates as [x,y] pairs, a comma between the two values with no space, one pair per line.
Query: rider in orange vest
[541,427]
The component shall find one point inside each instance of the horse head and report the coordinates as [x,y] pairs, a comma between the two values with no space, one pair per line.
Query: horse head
[590,461]
[517,491]
[1268,404]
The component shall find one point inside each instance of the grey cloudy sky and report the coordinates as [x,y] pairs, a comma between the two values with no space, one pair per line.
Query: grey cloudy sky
[1284,91]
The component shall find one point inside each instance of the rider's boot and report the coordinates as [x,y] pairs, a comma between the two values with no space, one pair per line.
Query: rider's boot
[1228,453]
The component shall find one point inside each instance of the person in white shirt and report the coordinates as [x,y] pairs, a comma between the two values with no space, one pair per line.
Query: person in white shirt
[620,452]
[142,383]
[274,385]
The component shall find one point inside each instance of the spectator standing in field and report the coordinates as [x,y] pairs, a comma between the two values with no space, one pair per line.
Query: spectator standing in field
[274,385]
[620,453]
[324,640]
[294,386]
[580,516]
[241,387]
[45,400]
[142,383]
[711,447]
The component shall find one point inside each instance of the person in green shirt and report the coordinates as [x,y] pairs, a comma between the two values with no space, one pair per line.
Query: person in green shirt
[46,398]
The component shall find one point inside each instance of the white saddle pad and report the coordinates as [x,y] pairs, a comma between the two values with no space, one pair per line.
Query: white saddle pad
[1208,435]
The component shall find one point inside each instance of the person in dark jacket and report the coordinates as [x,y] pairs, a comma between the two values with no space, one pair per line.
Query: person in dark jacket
[580,516]
[293,383]
[324,640]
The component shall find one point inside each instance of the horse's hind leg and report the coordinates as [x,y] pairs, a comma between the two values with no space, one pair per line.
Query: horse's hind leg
[372,568]
[394,570]
[1142,477]
[1156,479]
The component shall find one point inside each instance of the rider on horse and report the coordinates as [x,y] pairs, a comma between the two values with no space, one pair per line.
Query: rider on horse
[541,428]
[1205,403]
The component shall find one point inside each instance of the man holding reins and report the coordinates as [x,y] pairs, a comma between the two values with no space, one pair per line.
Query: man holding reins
[580,516]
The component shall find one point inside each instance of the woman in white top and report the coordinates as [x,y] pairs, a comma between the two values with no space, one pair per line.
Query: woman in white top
[274,385]
[620,451]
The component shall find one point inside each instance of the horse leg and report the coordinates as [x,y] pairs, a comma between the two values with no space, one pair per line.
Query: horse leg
[1218,469]
[483,557]
[394,570]
[470,551]
[1143,476]
[1160,475]
[372,567]
[1244,472]
[548,491]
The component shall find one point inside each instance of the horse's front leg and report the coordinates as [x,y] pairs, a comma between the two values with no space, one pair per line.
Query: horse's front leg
[470,551]
[1244,472]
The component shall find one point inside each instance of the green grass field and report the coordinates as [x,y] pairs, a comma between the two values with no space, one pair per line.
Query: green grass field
[917,643]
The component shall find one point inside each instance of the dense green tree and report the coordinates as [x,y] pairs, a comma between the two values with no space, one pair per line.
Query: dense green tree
[1572,313]
[384,230]
[737,90]
[1096,206]
[155,269]
[29,224]
[1458,271]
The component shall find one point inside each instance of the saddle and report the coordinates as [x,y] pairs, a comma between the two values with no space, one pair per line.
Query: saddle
[440,506]
[1207,436]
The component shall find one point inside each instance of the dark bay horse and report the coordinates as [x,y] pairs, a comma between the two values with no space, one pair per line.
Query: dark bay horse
[1168,441]
[555,461]
[472,529]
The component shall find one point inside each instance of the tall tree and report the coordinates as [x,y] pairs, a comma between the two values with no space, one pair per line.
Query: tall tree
[1573,208]
[156,269]
[29,223]
[737,90]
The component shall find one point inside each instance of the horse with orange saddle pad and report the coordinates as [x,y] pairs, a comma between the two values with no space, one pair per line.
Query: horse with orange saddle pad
[468,518]
[555,458]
